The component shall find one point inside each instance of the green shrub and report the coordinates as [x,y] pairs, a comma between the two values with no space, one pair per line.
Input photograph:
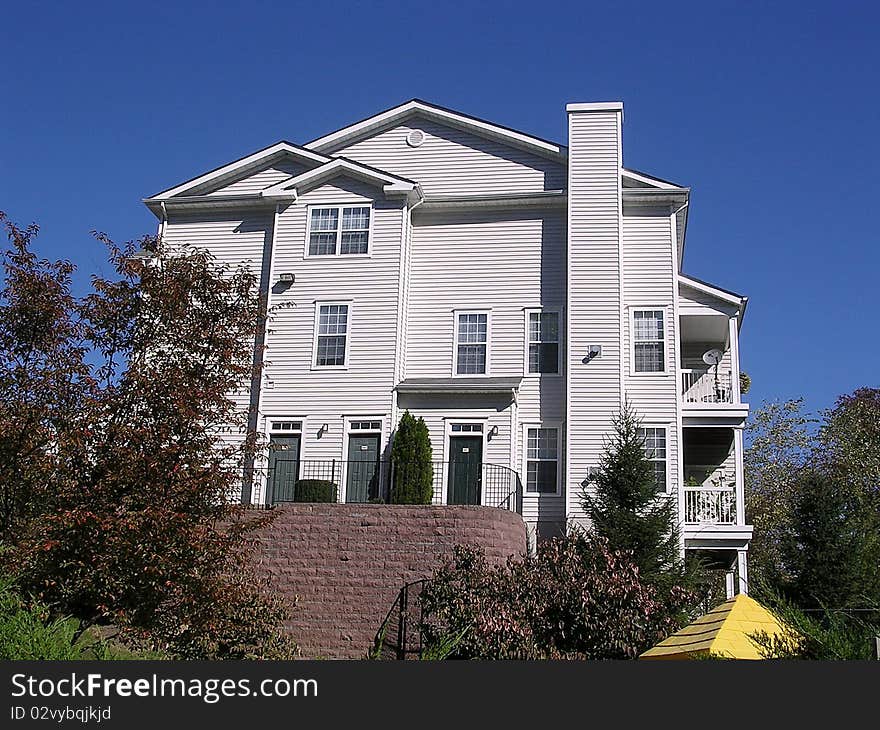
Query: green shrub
[413,471]
[314,490]
[28,632]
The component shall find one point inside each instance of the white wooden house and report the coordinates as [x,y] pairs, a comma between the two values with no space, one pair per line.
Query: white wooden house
[511,291]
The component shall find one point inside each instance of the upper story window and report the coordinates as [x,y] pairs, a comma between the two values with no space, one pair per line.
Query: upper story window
[339,230]
[331,335]
[655,452]
[542,460]
[542,331]
[471,343]
[648,341]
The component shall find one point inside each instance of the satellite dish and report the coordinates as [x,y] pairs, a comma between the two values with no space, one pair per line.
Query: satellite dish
[712,357]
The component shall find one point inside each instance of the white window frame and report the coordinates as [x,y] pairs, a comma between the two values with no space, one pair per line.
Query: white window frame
[448,433]
[559,329]
[456,313]
[666,430]
[525,458]
[328,303]
[339,205]
[666,371]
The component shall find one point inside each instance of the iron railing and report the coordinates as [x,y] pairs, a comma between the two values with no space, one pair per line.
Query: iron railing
[400,634]
[477,483]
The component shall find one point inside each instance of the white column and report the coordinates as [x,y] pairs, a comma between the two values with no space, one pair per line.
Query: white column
[742,569]
[740,476]
[729,587]
[733,337]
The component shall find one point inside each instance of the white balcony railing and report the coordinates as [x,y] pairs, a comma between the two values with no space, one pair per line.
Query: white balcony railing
[710,505]
[705,386]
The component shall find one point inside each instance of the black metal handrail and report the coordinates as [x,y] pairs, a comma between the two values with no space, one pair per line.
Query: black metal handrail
[395,638]
[490,485]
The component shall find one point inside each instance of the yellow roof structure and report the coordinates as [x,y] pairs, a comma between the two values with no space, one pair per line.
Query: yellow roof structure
[723,632]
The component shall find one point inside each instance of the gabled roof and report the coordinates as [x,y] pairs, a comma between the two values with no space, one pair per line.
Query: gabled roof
[723,295]
[643,179]
[417,107]
[391,184]
[253,160]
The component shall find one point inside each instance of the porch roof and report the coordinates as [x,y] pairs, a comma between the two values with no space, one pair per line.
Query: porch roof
[459,385]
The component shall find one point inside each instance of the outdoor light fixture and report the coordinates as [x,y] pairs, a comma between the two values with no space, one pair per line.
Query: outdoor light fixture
[592,351]
[286,278]
[493,431]
[324,429]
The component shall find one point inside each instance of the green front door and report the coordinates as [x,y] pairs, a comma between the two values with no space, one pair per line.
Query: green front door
[465,469]
[283,468]
[362,480]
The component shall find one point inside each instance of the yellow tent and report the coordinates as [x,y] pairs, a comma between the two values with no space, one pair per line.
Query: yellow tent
[723,632]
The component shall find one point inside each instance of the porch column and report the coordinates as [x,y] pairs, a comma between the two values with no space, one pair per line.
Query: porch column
[740,476]
[742,569]
[729,588]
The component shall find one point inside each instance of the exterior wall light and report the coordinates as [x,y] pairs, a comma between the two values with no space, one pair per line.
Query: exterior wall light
[286,278]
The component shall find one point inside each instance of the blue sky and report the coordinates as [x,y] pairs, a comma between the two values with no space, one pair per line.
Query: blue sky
[768,111]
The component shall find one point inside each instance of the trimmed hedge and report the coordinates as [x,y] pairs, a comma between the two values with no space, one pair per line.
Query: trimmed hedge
[314,490]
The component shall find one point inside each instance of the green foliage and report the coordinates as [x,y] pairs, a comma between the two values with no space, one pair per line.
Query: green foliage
[573,599]
[116,483]
[822,634]
[29,632]
[314,490]
[745,382]
[782,442]
[832,551]
[411,462]
[625,509]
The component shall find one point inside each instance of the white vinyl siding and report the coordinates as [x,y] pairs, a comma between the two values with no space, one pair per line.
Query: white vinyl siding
[339,230]
[331,334]
[543,346]
[471,343]
[594,310]
[454,162]
[649,343]
[254,180]
[656,452]
[650,276]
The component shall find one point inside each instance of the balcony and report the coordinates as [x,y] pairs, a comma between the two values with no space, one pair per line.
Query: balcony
[477,483]
[710,506]
[705,386]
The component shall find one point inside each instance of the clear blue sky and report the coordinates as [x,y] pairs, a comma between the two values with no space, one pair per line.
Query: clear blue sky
[770,112]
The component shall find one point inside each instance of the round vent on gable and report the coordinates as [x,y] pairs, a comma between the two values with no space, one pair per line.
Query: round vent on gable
[415,138]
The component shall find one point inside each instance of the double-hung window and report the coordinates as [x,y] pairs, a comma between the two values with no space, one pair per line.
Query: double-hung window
[471,343]
[542,460]
[648,341]
[543,342]
[655,452]
[339,230]
[331,335]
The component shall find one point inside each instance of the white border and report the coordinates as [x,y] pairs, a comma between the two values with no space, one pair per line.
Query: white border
[325,303]
[347,433]
[631,340]
[455,315]
[666,428]
[448,422]
[559,330]
[525,426]
[339,205]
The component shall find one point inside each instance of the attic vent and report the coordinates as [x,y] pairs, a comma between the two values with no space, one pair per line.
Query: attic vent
[415,138]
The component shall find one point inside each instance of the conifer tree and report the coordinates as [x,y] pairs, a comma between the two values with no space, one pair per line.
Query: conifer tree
[624,506]
[411,459]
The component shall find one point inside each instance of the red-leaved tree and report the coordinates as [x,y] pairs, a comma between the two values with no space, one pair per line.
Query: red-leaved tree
[123,448]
